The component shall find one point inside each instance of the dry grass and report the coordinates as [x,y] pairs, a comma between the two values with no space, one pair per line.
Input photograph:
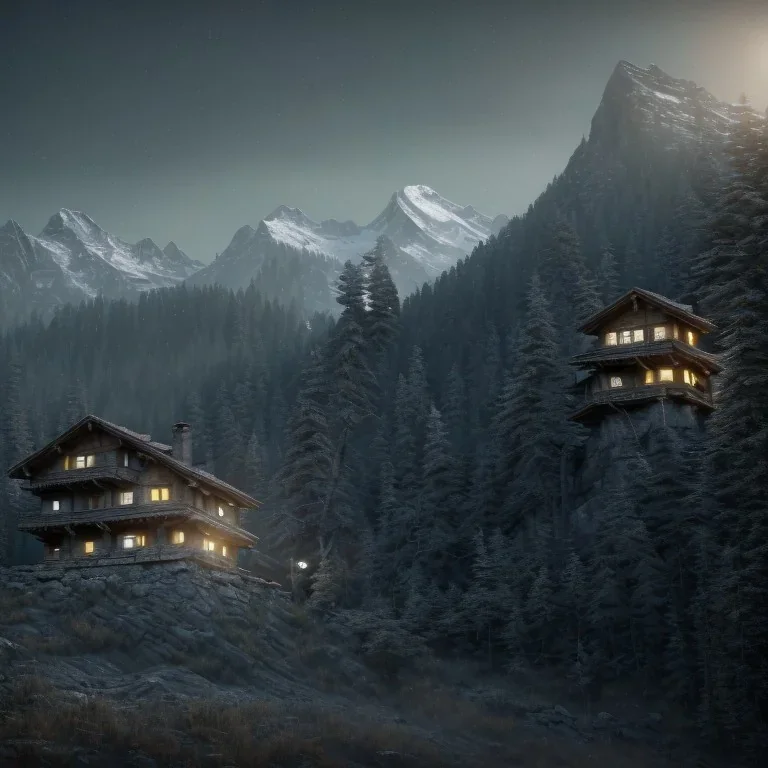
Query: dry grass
[12,607]
[76,635]
[207,733]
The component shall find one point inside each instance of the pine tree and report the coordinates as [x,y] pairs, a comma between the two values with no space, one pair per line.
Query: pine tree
[530,426]
[437,530]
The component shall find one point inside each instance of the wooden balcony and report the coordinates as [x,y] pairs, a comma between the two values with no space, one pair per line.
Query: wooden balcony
[618,397]
[95,477]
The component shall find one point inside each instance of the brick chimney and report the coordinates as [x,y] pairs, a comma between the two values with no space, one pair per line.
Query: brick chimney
[182,442]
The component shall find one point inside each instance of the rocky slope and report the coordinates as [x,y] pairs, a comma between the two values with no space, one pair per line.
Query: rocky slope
[74,259]
[175,664]
[292,257]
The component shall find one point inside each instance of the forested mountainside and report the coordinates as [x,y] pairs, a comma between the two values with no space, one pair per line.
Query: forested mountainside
[226,362]
[417,467]
[426,496]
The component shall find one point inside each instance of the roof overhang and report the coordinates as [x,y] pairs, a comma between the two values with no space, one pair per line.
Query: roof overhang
[593,324]
[155,451]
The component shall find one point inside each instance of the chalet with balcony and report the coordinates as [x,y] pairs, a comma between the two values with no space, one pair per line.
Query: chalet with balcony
[647,349]
[108,495]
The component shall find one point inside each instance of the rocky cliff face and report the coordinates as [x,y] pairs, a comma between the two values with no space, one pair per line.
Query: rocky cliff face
[612,448]
[176,664]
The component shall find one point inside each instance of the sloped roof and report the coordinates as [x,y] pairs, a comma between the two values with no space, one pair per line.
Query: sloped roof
[645,349]
[144,444]
[674,308]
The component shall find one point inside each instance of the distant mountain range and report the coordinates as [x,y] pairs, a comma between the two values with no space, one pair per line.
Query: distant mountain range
[74,259]
[292,257]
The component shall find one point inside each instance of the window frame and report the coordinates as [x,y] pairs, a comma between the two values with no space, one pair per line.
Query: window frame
[139,540]
[159,489]
[89,547]
[613,379]
[662,379]
[660,333]
[690,338]
[177,537]
[611,339]
[628,340]
[220,510]
[650,375]
[124,503]
[55,505]
[638,335]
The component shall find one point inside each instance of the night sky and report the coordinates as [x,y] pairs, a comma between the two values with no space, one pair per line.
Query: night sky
[185,121]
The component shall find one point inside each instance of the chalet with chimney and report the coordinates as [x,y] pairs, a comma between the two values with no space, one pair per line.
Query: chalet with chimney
[108,495]
[647,350]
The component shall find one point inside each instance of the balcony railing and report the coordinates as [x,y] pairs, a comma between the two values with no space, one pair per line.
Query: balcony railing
[109,474]
[647,392]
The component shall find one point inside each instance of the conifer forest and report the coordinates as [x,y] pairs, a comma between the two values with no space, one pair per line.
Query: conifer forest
[413,453]
[467,479]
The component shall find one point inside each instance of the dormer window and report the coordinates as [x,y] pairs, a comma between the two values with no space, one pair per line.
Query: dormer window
[616,382]
[660,333]
[610,339]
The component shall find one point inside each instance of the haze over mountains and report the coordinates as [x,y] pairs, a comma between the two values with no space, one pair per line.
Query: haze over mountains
[295,259]
[291,257]
[74,259]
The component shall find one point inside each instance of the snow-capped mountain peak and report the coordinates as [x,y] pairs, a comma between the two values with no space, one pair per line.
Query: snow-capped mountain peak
[650,98]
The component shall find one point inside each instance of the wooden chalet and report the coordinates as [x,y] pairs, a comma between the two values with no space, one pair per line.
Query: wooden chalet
[647,350]
[109,495]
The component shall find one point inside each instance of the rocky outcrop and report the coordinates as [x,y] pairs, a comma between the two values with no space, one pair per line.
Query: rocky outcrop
[612,449]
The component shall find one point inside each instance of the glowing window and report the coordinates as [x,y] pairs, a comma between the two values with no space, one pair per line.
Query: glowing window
[177,537]
[160,494]
[88,547]
[691,338]
[666,374]
[66,462]
[638,335]
[625,337]
[694,380]
[610,339]
[125,459]
[675,332]
[81,462]
[55,505]
[687,376]
[126,497]
[649,377]
[209,546]
[660,333]
[133,540]
[221,511]
[224,550]
[616,381]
